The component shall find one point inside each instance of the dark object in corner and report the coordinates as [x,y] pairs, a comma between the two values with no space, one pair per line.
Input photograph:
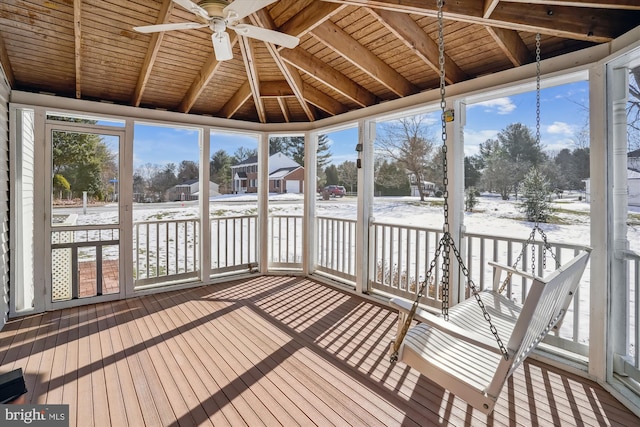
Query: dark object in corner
[12,386]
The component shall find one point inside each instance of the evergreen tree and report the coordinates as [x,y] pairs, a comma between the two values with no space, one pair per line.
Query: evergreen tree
[188,170]
[220,170]
[331,173]
[391,178]
[348,174]
[535,191]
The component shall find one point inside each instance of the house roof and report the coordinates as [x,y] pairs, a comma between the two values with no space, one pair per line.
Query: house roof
[352,53]
[282,172]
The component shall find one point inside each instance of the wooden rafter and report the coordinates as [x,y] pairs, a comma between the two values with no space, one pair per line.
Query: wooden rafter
[322,100]
[410,33]
[248,56]
[282,102]
[276,89]
[562,21]
[349,48]
[512,45]
[200,82]
[291,75]
[152,53]
[489,6]
[238,99]
[334,79]
[310,17]
[599,4]
[77,34]
[6,64]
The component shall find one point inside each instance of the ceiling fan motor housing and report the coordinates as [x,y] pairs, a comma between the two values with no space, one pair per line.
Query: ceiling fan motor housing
[214,7]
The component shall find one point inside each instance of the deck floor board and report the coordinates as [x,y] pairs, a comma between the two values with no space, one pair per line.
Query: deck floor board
[271,350]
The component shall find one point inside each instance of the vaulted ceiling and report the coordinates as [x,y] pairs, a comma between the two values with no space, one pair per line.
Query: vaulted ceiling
[352,53]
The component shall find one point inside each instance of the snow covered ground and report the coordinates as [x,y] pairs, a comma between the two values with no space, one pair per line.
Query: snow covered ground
[491,216]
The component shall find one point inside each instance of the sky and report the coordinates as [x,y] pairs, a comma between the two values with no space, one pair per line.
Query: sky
[563,115]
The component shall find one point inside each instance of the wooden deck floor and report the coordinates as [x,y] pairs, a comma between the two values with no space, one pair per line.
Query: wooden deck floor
[266,351]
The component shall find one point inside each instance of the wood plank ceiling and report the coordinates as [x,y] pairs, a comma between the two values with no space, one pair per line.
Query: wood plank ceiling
[352,53]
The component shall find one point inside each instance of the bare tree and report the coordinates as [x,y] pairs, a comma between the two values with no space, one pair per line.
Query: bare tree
[407,142]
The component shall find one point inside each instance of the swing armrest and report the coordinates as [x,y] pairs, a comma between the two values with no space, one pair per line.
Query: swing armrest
[498,267]
[449,328]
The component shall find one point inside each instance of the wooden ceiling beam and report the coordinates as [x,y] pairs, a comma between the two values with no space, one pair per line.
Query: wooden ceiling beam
[559,21]
[238,99]
[152,53]
[322,100]
[413,36]
[310,17]
[77,35]
[512,45]
[276,89]
[6,64]
[282,102]
[334,79]
[599,4]
[290,74]
[349,48]
[202,79]
[489,6]
[246,47]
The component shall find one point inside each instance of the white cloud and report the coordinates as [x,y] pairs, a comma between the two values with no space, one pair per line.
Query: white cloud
[473,138]
[501,106]
[561,128]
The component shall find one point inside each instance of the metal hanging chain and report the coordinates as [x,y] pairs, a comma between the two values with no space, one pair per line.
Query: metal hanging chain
[536,228]
[446,243]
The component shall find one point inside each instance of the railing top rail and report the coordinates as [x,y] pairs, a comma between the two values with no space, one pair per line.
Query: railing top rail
[166,221]
[560,245]
[630,254]
[87,227]
[218,218]
[333,218]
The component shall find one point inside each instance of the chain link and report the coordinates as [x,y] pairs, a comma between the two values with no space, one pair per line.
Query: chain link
[446,243]
[536,228]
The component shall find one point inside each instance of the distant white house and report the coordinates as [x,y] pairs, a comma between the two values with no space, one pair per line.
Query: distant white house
[190,190]
[428,188]
[633,188]
[285,175]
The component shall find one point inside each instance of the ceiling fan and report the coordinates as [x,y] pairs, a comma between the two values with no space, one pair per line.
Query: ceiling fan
[220,15]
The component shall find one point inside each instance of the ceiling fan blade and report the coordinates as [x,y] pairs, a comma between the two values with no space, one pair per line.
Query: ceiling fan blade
[193,8]
[241,8]
[266,35]
[222,46]
[170,27]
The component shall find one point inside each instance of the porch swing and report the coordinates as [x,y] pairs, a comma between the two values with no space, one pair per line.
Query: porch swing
[470,351]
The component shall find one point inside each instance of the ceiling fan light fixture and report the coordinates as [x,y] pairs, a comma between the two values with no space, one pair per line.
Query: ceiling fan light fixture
[222,46]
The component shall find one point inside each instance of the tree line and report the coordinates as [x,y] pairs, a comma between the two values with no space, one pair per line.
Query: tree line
[411,155]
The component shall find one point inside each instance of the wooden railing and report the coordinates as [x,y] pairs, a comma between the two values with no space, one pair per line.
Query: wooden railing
[285,242]
[234,244]
[402,255]
[628,365]
[166,251]
[336,250]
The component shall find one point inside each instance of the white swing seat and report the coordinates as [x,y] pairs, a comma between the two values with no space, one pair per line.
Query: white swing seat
[462,355]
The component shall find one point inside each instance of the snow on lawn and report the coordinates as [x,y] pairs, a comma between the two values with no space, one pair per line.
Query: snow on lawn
[491,215]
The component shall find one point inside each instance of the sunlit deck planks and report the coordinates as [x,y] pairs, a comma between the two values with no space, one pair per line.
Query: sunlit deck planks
[264,351]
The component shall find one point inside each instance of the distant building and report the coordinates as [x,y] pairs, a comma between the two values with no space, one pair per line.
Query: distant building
[285,175]
[428,188]
[633,160]
[633,188]
[190,190]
